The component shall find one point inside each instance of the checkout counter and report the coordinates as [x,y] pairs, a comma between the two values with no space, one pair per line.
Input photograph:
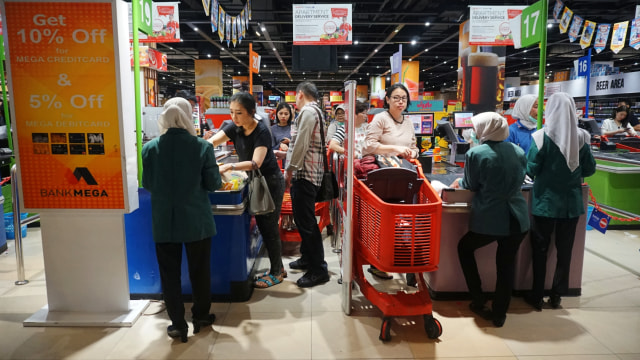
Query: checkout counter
[447,283]
[616,183]
[235,250]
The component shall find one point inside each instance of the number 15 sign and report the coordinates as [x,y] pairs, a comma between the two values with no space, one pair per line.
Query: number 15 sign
[532,24]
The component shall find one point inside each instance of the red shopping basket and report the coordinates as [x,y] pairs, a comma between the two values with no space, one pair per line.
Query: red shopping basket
[398,237]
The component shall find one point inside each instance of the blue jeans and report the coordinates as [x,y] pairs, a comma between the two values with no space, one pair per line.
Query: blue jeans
[303,203]
[268,223]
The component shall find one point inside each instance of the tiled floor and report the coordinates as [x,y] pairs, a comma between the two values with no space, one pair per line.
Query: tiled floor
[286,322]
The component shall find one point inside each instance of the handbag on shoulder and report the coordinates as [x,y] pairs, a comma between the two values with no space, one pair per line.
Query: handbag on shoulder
[329,186]
[260,200]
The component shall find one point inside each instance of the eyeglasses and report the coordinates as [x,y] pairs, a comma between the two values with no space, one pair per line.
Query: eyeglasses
[399,98]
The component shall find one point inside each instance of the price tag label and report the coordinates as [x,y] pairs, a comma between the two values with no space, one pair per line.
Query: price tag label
[532,26]
[146,18]
[584,66]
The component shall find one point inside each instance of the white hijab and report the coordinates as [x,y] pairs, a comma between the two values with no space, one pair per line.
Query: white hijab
[177,114]
[561,126]
[522,111]
[490,126]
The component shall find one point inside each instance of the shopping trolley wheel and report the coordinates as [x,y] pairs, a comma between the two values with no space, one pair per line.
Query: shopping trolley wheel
[385,329]
[432,327]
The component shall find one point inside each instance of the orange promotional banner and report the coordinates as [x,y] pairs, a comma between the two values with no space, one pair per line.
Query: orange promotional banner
[255,62]
[362,93]
[65,101]
[208,81]
[411,78]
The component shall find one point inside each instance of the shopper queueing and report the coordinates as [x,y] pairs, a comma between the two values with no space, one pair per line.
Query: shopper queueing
[281,131]
[391,133]
[494,170]
[304,176]
[525,112]
[558,161]
[252,141]
[179,171]
[619,124]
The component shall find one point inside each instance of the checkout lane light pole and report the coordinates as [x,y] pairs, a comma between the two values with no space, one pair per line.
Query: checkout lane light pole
[141,19]
[543,58]
[533,31]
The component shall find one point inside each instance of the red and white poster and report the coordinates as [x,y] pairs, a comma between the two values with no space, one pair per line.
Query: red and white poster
[166,23]
[322,24]
[489,25]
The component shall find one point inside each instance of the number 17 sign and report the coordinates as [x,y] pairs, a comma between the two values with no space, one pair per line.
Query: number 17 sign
[532,24]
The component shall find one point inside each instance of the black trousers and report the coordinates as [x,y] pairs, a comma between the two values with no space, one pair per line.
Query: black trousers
[269,226]
[170,261]
[505,266]
[565,230]
[303,203]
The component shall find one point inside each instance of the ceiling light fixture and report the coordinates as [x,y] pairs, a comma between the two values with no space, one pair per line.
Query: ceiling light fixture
[427,24]
[413,42]
[257,33]
[346,56]
[263,28]
[195,29]
[356,42]
[208,55]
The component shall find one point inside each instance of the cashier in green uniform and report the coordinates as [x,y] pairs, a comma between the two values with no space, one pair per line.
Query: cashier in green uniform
[495,171]
[559,158]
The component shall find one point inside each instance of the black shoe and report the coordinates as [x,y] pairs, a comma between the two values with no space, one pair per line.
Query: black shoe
[412,280]
[481,310]
[554,301]
[198,323]
[311,280]
[498,321]
[300,264]
[174,332]
[536,304]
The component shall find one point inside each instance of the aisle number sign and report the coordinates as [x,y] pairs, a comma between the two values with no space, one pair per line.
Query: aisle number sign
[584,66]
[65,95]
[532,26]
[146,19]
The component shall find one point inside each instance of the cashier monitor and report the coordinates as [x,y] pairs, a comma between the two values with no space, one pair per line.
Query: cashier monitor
[590,125]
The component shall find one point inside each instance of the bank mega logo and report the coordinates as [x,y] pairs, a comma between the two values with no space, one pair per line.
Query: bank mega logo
[75,178]
[84,173]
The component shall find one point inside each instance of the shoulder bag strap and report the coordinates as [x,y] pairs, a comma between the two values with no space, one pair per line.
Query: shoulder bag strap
[324,154]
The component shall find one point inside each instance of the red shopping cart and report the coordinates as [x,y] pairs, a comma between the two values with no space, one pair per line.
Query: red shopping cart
[397,237]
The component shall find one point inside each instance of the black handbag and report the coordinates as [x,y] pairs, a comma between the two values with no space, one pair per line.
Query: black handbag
[329,186]
[260,200]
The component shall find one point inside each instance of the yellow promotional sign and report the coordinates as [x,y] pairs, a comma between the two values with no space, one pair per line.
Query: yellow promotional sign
[411,78]
[290,96]
[208,81]
[65,95]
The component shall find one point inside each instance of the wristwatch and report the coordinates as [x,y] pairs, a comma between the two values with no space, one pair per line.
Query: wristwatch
[233,166]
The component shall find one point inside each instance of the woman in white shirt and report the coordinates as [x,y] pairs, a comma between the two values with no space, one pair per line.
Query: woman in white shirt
[619,124]
[337,142]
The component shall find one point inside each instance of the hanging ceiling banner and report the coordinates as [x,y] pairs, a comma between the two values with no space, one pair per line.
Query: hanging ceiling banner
[234,30]
[564,22]
[166,23]
[206,4]
[322,24]
[587,34]
[557,9]
[221,20]
[602,37]
[619,36]
[227,28]
[634,38]
[489,25]
[576,25]
[214,16]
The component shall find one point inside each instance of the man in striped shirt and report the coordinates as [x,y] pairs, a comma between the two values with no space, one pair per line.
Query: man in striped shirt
[303,176]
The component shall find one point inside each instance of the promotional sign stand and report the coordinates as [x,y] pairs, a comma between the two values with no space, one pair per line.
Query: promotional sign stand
[72,100]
